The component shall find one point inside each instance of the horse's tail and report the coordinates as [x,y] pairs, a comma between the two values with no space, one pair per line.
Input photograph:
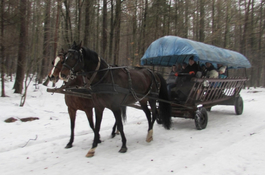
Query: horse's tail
[123,113]
[164,108]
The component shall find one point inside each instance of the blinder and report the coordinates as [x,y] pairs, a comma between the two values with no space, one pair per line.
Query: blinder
[78,58]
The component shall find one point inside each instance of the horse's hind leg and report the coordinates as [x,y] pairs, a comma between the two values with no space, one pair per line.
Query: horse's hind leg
[117,114]
[147,112]
[154,111]
[72,115]
[123,114]
[99,112]
[113,133]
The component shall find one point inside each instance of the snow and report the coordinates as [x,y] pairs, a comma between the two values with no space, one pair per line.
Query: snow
[231,144]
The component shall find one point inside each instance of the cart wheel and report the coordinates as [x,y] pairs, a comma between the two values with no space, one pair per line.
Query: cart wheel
[201,118]
[239,105]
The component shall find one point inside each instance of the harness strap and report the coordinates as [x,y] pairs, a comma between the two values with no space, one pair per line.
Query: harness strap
[158,84]
[134,94]
[87,81]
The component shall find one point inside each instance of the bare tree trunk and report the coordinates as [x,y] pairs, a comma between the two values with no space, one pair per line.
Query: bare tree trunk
[87,22]
[227,22]
[80,4]
[21,61]
[97,43]
[68,28]
[56,28]
[244,39]
[117,24]
[134,40]
[186,26]
[2,51]
[202,14]
[253,51]
[213,22]
[46,42]
[261,54]
[111,32]
[104,30]
[176,16]
[143,38]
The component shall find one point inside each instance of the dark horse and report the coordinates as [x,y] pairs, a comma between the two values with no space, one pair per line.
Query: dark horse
[77,103]
[114,87]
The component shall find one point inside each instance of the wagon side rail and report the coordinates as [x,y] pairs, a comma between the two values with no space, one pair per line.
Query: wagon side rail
[210,92]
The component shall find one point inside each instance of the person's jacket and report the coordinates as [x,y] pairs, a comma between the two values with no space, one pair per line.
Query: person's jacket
[191,68]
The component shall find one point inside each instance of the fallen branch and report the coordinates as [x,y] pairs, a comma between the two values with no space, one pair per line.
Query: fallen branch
[30,140]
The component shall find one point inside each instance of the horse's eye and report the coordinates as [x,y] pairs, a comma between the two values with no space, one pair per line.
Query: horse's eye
[52,62]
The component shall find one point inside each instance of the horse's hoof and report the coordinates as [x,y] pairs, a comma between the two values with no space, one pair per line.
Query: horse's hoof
[149,137]
[123,150]
[114,134]
[68,146]
[91,152]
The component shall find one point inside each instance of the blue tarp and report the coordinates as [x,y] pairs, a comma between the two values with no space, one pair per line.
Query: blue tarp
[169,50]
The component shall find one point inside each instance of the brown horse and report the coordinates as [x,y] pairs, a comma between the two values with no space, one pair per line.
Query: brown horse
[77,103]
[113,87]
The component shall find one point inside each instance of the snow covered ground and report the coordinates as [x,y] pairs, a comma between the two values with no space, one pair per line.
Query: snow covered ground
[230,144]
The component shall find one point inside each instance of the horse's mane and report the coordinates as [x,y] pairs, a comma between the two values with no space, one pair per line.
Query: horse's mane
[90,54]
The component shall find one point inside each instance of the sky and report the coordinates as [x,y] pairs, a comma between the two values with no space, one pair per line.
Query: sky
[231,144]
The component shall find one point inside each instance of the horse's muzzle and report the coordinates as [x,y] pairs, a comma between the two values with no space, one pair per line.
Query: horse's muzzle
[64,77]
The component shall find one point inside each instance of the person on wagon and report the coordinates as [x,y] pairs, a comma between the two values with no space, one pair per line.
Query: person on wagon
[171,81]
[211,71]
[222,71]
[189,72]
[192,66]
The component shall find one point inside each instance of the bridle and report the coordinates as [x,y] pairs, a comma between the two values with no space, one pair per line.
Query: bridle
[74,74]
[79,59]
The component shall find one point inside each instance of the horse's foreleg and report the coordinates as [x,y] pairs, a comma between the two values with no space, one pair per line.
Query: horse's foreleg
[117,114]
[72,115]
[99,112]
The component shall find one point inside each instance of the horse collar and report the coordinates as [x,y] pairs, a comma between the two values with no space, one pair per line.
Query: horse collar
[87,81]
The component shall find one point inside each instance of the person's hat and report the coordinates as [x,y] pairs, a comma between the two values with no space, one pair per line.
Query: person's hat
[222,69]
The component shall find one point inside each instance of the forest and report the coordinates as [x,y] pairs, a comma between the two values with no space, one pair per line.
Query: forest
[34,31]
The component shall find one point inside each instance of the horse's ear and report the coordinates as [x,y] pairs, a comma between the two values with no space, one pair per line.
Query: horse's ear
[62,50]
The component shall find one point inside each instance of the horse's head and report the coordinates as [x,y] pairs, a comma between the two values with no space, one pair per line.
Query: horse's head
[73,62]
[57,66]
[79,59]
